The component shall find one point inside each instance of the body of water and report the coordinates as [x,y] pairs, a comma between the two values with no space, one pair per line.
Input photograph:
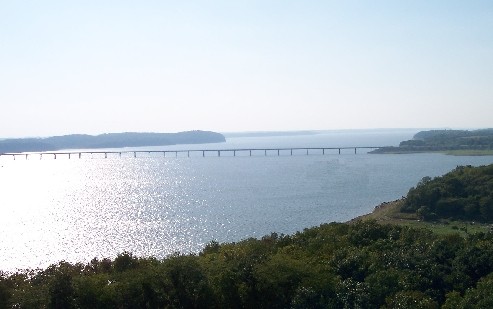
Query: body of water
[78,209]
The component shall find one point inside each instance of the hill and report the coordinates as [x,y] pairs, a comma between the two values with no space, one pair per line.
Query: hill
[449,141]
[466,193]
[109,140]
[460,201]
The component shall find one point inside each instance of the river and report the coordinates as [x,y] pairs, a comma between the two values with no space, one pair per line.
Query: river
[78,209]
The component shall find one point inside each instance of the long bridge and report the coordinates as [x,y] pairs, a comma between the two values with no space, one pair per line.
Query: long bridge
[289,151]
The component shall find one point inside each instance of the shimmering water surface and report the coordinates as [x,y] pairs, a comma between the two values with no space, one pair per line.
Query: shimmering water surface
[77,209]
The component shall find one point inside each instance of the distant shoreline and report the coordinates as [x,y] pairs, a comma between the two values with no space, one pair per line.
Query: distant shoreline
[108,140]
[309,132]
[450,142]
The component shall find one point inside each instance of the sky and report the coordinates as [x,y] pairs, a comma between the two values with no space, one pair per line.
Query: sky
[99,66]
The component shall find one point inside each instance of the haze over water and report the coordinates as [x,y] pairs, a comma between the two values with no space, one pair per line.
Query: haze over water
[78,209]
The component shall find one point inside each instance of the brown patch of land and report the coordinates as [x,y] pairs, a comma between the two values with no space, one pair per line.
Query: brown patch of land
[389,213]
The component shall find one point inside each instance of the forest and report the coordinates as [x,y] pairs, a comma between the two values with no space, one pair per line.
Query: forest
[360,264]
[466,193]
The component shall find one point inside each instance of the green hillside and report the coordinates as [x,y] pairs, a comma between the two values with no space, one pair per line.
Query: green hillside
[337,265]
[466,193]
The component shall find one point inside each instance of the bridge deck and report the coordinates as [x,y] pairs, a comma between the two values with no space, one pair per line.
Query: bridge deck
[216,152]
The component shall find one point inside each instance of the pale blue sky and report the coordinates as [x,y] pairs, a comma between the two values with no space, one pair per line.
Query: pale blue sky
[167,66]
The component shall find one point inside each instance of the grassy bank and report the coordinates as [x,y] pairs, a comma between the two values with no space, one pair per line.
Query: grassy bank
[389,213]
[462,152]
[470,152]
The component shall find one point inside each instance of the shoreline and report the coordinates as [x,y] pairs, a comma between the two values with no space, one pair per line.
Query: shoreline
[389,213]
[459,153]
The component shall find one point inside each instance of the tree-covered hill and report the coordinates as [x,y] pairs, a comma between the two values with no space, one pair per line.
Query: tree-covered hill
[466,193]
[337,265]
[444,140]
[108,140]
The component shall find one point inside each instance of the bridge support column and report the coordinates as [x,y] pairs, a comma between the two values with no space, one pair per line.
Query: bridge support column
[291,151]
[54,155]
[323,152]
[355,150]
[339,150]
[278,152]
[80,155]
[69,156]
[250,153]
[188,154]
[106,155]
[26,156]
[203,153]
[265,151]
[307,152]
[219,153]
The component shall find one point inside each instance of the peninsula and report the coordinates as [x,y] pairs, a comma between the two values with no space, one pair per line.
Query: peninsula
[455,142]
[108,140]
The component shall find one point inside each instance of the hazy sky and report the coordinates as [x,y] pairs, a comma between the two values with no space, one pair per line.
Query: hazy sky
[166,66]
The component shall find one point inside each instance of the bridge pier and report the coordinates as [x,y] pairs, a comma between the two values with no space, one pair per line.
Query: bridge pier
[203,153]
[339,150]
[80,155]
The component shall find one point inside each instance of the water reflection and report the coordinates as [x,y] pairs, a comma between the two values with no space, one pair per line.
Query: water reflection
[75,210]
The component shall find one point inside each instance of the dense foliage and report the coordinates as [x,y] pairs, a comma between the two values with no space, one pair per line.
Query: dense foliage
[465,193]
[360,265]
